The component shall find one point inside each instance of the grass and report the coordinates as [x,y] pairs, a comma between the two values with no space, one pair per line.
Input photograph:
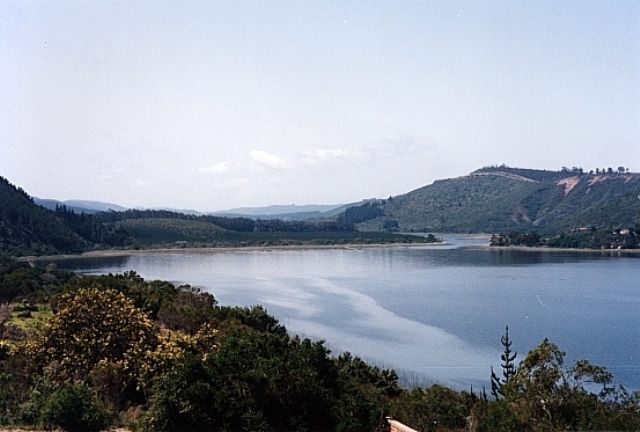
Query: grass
[30,319]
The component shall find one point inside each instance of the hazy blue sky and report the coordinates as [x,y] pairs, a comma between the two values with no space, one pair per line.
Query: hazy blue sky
[216,104]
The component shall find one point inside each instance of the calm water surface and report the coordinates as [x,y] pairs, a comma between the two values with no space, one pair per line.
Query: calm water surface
[435,312]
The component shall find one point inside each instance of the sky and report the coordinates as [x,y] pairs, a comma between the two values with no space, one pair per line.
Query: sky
[211,105]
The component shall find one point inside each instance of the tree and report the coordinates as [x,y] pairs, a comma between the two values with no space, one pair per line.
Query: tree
[550,396]
[508,365]
[390,225]
[188,310]
[497,240]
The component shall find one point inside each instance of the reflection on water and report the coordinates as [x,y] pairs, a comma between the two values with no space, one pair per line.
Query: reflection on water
[435,310]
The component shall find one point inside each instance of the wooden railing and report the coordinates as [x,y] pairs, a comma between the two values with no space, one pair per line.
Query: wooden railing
[396,426]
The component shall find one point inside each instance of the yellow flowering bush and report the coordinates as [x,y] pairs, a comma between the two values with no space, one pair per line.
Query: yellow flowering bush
[96,326]
[172,345]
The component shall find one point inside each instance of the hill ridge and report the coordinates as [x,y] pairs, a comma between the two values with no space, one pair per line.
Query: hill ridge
[495,199]
[504,174]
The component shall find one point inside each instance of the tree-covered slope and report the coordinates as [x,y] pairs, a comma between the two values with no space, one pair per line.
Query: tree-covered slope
[159,230]
[502,198]
[603,201]
[26,228]
[29,229]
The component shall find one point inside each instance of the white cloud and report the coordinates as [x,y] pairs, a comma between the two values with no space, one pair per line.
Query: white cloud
[268,159]
[321,154]
[216,168]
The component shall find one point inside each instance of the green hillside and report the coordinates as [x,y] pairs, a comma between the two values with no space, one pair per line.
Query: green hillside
[29,229]
[502,198]
[160,230]
[26,228]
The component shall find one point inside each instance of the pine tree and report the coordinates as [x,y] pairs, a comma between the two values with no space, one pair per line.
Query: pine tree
[496,385]
[507,364]
[507,357]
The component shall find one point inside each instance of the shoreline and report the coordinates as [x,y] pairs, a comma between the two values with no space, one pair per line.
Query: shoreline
[112,253]
[551,249]
[107,253]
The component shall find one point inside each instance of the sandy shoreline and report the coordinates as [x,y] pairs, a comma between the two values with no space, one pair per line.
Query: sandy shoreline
[106,253]
[572,250]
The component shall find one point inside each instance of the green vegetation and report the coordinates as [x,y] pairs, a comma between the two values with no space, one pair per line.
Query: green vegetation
[583,238]
[498,199]
[94,327]
[152,356]
[29,318]
[74,408]
[508,366]
[155,232]
[516,238]
[20,280]
[361,213]
[159,230]
[28,229]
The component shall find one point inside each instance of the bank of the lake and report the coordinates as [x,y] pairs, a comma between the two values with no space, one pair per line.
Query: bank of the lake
[434,311]
[608,252]
[106,253]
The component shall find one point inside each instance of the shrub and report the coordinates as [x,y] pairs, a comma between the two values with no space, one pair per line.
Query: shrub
[73,408]
[96,325]
[188,310]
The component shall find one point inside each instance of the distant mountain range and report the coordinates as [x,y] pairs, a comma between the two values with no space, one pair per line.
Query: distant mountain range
[79,206]
[289,212]
[280,209]
[495,199]
[284,212]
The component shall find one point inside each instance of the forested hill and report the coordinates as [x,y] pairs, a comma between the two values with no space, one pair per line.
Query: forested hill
[495,199]
[28,228]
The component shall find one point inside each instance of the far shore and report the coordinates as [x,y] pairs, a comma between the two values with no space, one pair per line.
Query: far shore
[106,253]
[552,249]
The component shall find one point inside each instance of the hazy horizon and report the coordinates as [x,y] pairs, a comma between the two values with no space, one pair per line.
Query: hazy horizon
[304,207]
[213,106]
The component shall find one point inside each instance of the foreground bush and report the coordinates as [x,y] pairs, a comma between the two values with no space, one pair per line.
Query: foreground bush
[94,326]
[73,408]
[252,382]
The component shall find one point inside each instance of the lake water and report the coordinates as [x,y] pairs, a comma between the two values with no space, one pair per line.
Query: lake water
[433,312]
